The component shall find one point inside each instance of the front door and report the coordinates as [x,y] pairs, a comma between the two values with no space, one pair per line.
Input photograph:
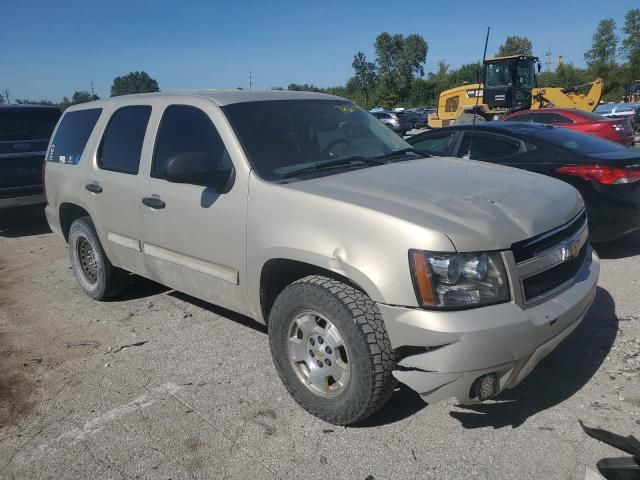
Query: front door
[194,236]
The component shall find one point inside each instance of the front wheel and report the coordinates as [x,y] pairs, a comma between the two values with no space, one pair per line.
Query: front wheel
[331,349]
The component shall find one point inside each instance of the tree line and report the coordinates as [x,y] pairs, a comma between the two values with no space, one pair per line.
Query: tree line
[133,82]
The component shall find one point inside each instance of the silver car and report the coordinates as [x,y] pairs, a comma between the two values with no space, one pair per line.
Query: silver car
[369,263]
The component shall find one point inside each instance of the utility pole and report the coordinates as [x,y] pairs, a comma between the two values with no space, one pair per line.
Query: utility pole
[548,62]
[6,95]
[250,79]
[92,93]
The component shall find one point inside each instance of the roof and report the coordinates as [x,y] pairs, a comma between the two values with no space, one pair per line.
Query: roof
[220,97]
[510,57]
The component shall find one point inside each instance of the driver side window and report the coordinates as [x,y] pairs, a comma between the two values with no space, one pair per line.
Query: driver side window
[183,129]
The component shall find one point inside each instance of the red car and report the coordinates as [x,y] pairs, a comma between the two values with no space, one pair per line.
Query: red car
[615,129]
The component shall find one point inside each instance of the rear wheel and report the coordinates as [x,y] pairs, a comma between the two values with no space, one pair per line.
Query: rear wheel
[93,270]
[467,119]
[331,349]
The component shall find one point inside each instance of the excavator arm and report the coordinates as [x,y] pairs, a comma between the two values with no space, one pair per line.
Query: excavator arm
[583,97]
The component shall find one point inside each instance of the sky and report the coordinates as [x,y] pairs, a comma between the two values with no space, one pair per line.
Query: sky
[50,49]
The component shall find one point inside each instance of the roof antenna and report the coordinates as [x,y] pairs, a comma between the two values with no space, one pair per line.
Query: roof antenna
[473,125]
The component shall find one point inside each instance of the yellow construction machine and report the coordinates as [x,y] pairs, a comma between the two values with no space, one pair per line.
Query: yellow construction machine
[509,85]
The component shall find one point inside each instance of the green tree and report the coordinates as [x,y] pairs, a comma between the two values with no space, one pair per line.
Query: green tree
[604,43]
[82,96]
[400,60]
[365,76]
[133,82]
[515,45]
[630,46]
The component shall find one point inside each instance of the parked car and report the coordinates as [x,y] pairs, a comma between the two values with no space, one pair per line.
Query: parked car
[421,115]
[618,130]
[605,173]
[24,133]
[366,260]
[629,111]
[399,122]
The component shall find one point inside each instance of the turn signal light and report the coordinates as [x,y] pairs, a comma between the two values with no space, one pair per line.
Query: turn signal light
[600,174]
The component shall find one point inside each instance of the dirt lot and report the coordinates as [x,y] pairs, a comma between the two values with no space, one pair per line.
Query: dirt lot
[160,385]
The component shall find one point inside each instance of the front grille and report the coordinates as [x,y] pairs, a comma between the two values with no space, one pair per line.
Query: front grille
[551,279]
[527,249]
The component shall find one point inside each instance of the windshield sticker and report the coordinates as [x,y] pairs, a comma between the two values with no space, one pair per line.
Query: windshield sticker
[347,108]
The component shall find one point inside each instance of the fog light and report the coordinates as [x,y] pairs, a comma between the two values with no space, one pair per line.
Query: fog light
[485,386]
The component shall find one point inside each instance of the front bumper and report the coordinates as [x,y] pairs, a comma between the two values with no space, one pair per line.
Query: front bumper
[507,339]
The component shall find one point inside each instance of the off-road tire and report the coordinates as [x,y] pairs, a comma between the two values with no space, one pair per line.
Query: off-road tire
[110,280]
[362,328]
[467,119]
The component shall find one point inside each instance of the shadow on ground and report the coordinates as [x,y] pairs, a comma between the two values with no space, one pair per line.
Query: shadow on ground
[222,312]
[23,221]
[627,246]
[558,377]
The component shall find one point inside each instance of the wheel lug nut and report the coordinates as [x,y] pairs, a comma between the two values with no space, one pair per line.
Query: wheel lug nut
[328,362]
[312,341]
[320,340]
[319,363]
[328,349]
[311,353]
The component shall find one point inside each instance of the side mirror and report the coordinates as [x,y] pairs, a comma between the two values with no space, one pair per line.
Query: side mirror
[198,168]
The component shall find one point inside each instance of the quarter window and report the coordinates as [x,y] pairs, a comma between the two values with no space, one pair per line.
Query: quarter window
[72,135]
[123,139]
[187,129]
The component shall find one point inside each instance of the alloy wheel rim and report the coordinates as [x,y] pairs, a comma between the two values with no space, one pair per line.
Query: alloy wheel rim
[318,354]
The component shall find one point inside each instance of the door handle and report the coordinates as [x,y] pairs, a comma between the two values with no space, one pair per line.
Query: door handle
[153,202]
[93,188]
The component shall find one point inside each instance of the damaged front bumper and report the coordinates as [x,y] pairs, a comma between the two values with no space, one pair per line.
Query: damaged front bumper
[442,353]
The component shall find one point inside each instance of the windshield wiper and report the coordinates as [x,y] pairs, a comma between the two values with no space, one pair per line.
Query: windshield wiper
[327,165]
[401,152]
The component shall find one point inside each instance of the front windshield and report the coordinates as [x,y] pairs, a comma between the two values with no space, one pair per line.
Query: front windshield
[498,75]
[282,137]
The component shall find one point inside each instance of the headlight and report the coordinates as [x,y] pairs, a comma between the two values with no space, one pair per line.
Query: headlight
[458,280]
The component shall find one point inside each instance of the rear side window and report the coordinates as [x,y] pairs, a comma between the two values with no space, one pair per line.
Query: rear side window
[487,147]
[123,138]
[72,135]
[525,117]
[27,123]
[436,144]
[549,118]
[187,129]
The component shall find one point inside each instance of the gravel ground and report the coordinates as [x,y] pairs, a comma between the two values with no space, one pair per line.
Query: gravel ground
[157,384]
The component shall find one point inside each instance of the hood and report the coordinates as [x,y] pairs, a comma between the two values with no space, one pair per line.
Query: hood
[478,205]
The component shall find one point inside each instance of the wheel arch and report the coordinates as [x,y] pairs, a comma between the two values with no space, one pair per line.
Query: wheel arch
[69,213]
[277,273]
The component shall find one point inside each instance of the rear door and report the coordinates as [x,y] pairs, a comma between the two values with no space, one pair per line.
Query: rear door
[194,236]
[112,186]
[24,135]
